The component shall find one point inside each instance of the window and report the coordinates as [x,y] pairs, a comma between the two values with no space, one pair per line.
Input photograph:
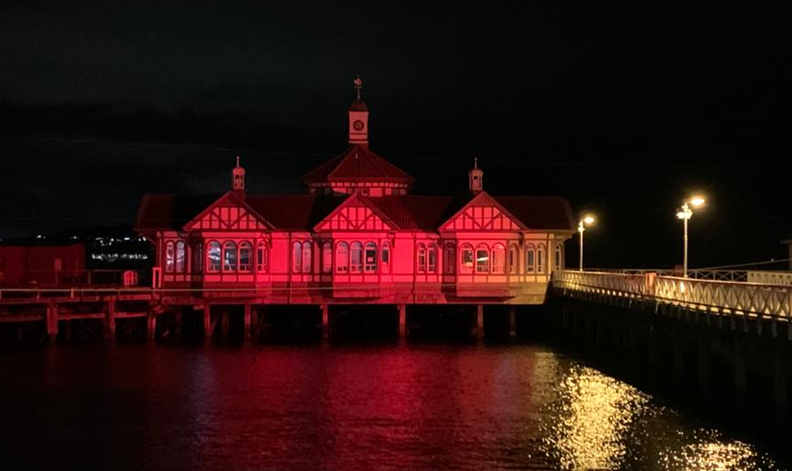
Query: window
[327,257]
[449,259]
[181,256]
[385,257]
[482,259]
[432,259]
[169,256]
[558,257]
[245,256]
[498,259]
[530,259]
[262,256]
[213,257]
[466,259]
[307,258]
[197,258]
[512,259]
[540,254]
[229,256]
[421,258]
[342,257]
[296,257]
[356,257]
[370,258]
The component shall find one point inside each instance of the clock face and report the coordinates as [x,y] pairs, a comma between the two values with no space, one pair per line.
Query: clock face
[358,125]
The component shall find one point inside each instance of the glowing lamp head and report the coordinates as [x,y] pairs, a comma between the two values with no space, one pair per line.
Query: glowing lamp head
[588,219]
[697,201]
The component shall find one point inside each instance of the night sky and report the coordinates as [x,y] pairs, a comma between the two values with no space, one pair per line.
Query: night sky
[623,109]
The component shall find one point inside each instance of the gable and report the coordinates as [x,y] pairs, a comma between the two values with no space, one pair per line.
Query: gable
[482,213]
[227,214]
[354,215]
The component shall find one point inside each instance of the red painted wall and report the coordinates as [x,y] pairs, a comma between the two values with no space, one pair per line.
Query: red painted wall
[26,265]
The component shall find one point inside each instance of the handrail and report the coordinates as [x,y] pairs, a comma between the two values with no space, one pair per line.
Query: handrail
[710,295]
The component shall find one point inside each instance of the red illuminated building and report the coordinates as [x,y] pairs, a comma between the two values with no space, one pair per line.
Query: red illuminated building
[356,236]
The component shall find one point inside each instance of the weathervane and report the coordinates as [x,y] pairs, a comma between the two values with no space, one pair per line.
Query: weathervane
[358,85]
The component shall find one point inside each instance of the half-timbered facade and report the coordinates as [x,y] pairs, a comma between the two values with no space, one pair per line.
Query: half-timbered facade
[357,235]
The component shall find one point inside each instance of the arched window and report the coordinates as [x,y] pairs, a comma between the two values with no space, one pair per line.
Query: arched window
[169,257]
[356,257]
[213,256]
[431,259]
[540,258]
[197,258]
[181,256]
[482,259]
[498,259]
[307,249]
[342,257]
[450,259]
[466,259]
[512,259]
[327,257]
[421,258]
[296,257]
[262,257]
[558,257]
[229,256]
[530,259]
[245,256]
[370,258]
[385,257]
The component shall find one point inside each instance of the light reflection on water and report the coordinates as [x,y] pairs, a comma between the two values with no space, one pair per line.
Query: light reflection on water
[341,408]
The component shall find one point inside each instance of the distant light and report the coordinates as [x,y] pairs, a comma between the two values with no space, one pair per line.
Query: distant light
[39,236]
[126,239]
[697,201]
[74,237]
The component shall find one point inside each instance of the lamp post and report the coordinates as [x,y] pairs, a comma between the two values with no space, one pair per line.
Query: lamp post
[587,220]
[685,213]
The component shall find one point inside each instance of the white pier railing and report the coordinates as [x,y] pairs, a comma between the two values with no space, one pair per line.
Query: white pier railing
[699,294]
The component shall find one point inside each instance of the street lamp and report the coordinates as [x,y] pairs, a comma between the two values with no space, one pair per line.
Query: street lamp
[685,213]
[586,221]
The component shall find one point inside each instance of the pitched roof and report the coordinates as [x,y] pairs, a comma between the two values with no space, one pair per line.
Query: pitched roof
[358,163]
[303,212]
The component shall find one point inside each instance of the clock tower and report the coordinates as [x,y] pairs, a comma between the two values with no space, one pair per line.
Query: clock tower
[358,117]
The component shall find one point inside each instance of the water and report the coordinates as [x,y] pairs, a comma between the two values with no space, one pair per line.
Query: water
[340,408]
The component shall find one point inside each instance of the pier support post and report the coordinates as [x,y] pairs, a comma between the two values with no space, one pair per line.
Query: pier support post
[207,322]
[780,388]
[703,355]
[678,347]
[402,321]
[225,323]
[740,377]
[512,322]
[178,317]
[247,319]
[51,319]
[110,325]
[151,325]
[478,328]
[325,321]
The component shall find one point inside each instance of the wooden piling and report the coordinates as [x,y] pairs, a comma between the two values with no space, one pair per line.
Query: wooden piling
[151,325]
[512,322]
[478,329]
[207,322]
[402,321]
[225,323]
[325,321]
[780,387]
[247,320]
[110,324]
[703,354]
[740,376]
[51,319]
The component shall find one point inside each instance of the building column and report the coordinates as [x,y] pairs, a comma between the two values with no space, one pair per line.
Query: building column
[110,325]
[247,319]
[51,319]
[402,321]
[325,321]
[207,322]
[512,322]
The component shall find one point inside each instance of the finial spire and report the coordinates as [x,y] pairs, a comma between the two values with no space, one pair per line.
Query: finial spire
[475,162]
[358,85]
[237,161]
[238,177]
[476,178]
